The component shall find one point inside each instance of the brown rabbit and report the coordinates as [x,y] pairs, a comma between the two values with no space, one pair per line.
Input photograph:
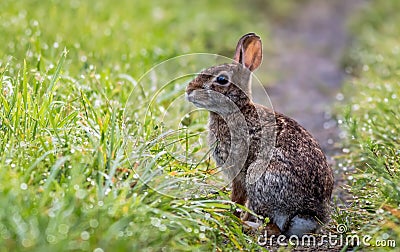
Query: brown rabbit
[276,167]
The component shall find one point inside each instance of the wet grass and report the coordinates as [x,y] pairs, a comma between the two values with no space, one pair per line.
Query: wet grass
[372,123]
[70,153]
[75,164]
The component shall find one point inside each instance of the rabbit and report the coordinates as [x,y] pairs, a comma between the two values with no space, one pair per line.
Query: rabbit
[276,167]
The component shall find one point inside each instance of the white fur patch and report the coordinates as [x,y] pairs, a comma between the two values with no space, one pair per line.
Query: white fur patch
[300,226]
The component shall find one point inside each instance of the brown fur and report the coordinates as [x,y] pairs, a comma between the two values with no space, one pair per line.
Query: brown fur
[274,164]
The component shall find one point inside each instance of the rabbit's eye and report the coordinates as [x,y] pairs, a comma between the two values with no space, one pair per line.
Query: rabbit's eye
[222,79]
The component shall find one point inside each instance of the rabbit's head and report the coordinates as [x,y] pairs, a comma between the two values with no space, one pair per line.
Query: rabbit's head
[213,86]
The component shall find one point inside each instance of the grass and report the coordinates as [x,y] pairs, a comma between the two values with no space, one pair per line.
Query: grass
[83,129]
[77,168]
[372,121]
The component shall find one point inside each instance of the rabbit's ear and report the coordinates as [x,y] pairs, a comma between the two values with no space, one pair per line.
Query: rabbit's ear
[249,51]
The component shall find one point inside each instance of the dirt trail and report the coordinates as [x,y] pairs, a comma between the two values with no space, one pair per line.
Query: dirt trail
[308,49]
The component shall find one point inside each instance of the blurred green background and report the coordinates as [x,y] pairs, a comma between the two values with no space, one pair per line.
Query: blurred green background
[124,36]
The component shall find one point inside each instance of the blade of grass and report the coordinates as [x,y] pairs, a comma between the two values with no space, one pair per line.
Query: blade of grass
[56,75]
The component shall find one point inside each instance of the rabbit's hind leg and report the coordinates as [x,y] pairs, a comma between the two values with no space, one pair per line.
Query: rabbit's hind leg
[301,225]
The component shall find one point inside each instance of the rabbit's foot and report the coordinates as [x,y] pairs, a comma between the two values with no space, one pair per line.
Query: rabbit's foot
[272,229]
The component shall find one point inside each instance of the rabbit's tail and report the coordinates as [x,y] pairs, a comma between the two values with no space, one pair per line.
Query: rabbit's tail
[300,225]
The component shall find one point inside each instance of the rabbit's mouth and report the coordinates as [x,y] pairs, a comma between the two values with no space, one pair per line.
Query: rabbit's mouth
[191,97]
[212,101]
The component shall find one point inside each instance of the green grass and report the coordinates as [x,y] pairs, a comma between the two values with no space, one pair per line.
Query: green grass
[70,153]
[83,130]
[372,123]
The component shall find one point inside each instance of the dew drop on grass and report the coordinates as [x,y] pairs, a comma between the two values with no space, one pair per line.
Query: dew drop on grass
[80,194]
[162,228]
[189,230]
[28,32]
[94,223]
[98,250]
[85,235]
[356,107]
[339,96]
[63,229]
[84,246]
[108,190]
[51,239]
[27,243]
[24,186]
[155,222]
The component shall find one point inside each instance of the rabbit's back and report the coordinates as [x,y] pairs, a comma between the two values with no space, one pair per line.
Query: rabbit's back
[296,178]
[286,171]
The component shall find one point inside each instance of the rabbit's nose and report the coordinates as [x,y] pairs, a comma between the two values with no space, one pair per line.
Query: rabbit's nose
[192,87]
[189,95]
[188,91]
